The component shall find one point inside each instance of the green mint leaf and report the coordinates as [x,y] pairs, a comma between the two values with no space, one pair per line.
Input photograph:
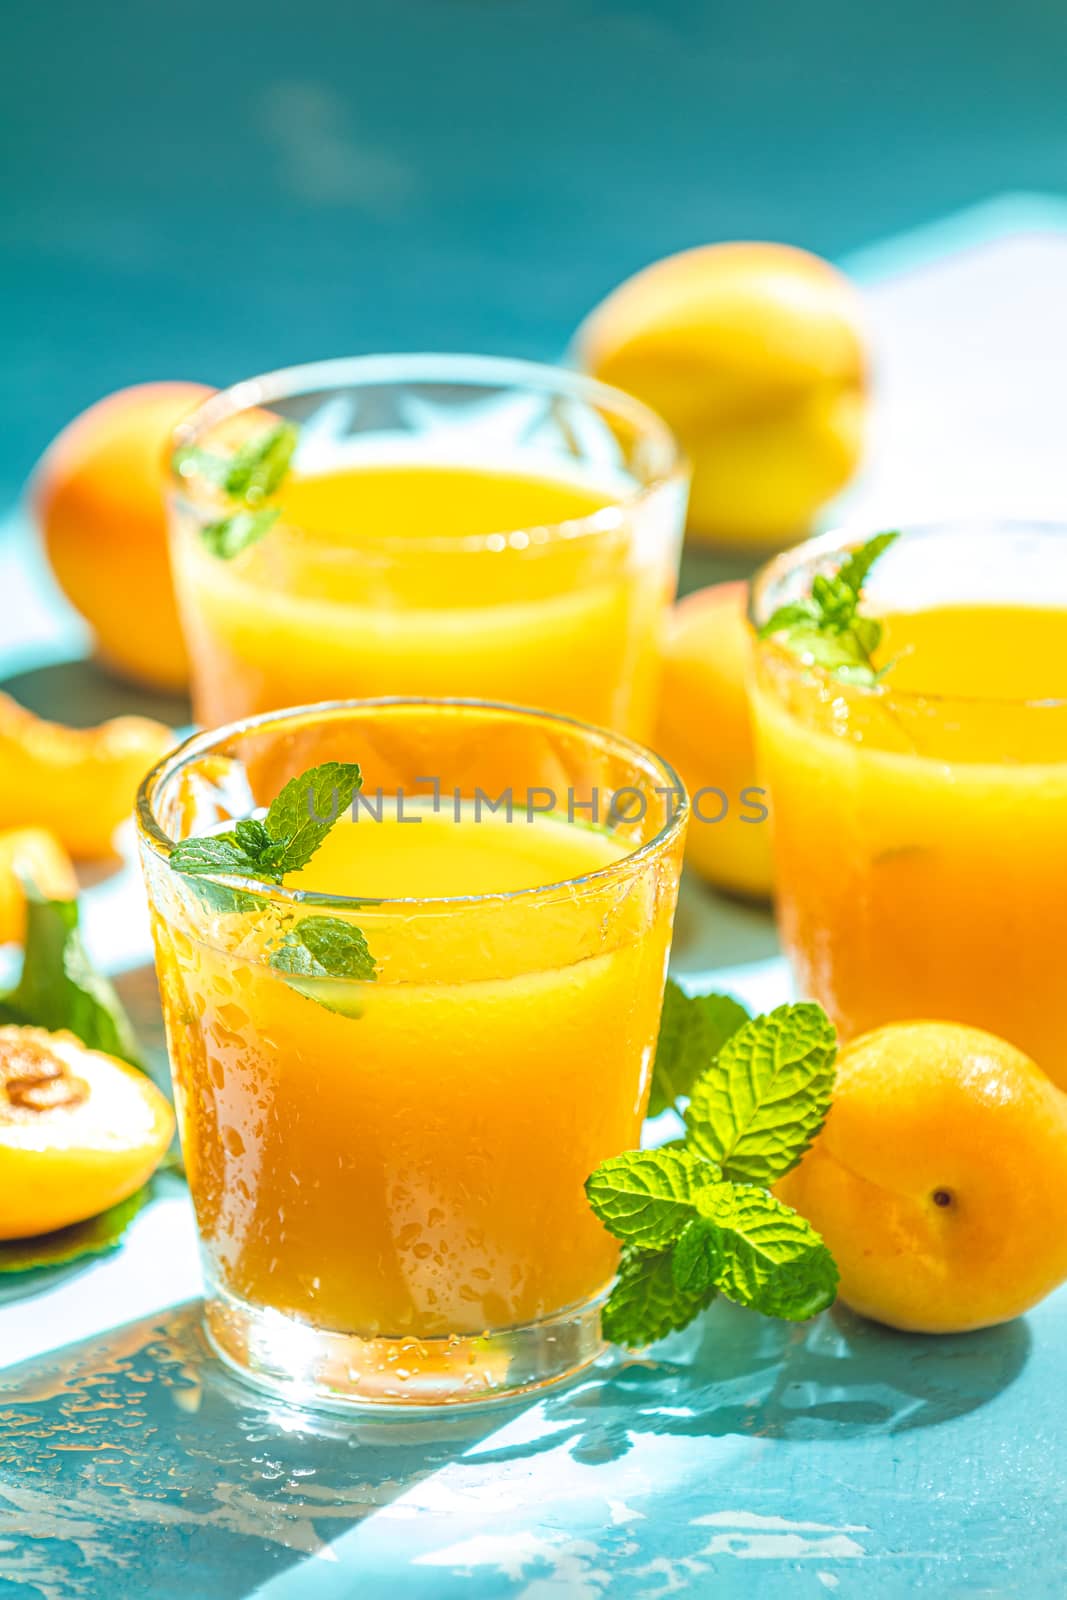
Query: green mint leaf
[692,1031]
[59,987]
[228,537]
[307,808]
[827,630]
[646,1196]
[189,460]
[772,1259]
[219,854]
[840,653]
[756,1110]
[92,1238]
[252,839]
[268,848]
[697,1257]
[855,570]
[797,614]
[259,468]
[646,1304]
[325,947]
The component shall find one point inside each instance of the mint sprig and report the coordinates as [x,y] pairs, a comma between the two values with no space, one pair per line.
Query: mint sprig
[826,628]
[251,475]
[325,947]
[692,1031]
[697,1219]
[647,1303]
[267,849]
[758,1106]
[283,841]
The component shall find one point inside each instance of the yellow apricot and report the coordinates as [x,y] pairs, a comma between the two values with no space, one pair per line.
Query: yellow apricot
[79,1131]
[704,728]
[36,856]
[77,782]
[938,1181]
[99,498]
[754,354]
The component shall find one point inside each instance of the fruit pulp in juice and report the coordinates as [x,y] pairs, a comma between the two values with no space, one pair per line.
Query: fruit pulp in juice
[407,1157]
[921,832]
[343,598]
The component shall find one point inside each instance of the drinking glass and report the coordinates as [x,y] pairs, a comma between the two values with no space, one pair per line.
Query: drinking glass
[388,1175]
[919,839]
[451,525]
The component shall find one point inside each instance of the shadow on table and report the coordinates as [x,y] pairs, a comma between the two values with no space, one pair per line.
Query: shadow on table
[138,1455]
[838,1377]
[82,693]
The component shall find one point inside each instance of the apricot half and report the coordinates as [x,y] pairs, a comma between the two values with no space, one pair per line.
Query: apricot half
[79,1131]
[99,498]
[704,728]
[36,856]
[754,354]
[78,782]
[938,1180]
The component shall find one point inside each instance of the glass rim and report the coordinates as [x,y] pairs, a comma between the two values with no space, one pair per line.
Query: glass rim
[839,541]
[155,838]
[265,389]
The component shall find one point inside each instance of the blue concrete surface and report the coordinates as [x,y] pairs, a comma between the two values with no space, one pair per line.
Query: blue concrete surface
[220,186]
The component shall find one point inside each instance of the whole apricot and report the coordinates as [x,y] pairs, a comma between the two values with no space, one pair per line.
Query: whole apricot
[79,1131]
[35,856]
[938,1180]
[98,495]
[704,728]
[754,354]
[79,783]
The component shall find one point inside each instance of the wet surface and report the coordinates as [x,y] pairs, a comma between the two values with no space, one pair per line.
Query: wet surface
[133,1465]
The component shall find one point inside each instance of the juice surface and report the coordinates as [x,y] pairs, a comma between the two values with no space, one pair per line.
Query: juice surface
[921,843]
[406,500]
[344,598]
[432,854]
[408,1157]
[977,652]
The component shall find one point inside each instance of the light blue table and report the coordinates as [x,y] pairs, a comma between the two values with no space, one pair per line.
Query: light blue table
[742,1457]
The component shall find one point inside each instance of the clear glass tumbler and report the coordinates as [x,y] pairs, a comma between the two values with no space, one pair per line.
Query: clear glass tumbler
[920,838]
[388,1175]
[450,525]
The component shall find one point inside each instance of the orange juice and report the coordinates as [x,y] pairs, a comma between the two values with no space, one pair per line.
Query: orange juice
[391,1157]
[920,829]
[404,1158]
[412,565]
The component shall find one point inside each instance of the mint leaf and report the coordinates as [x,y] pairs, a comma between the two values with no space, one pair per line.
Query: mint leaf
[307,808]
[697,1257]
[772,1259]
[59,987]
[229,536]
[692,1031]
[259,467]
[827,630]
[254,472]
[756,1110]
[325,947]
[92,1238]
[217,854]
[646,1196]
[285,840]
[855,570]
[645,1303]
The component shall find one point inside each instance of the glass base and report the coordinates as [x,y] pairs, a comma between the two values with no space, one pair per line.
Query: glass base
[340,1371]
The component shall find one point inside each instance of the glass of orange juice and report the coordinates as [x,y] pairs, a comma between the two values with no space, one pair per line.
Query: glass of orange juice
[449,525]
[920,826]
[388,1170]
